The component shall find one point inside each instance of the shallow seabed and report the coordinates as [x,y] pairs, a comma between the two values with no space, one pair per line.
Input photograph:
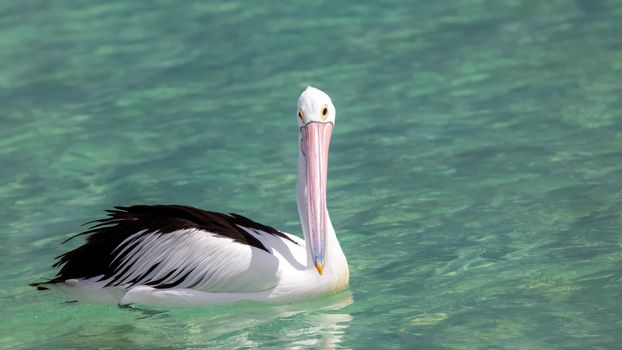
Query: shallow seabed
[474,174]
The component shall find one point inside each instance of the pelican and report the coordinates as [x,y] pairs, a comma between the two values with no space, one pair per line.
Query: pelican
[174,255]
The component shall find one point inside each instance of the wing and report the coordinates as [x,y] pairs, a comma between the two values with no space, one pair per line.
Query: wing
[192,258]
[167,246]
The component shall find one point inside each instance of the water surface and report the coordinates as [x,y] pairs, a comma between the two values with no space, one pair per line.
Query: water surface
[474,176]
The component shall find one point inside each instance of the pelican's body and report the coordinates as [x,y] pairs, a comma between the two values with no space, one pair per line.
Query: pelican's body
[173,255]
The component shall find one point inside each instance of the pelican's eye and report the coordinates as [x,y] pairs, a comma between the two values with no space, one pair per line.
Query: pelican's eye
[301,115]
[324,113]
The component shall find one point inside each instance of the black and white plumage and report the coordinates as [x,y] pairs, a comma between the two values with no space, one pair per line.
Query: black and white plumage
[119,248]
[180,256]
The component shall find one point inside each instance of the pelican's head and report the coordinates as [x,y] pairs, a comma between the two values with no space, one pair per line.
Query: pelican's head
[316,118]
[315,105]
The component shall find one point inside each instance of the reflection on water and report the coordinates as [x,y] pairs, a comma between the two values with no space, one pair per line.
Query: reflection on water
[317,323]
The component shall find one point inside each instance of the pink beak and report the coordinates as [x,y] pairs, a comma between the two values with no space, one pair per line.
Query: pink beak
[314,143]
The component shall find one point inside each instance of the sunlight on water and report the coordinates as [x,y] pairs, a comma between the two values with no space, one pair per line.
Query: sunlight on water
[474,176]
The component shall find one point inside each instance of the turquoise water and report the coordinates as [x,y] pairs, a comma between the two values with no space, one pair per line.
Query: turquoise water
[474,176]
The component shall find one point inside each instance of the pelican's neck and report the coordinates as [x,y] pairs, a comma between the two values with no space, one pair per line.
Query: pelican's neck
[335,259]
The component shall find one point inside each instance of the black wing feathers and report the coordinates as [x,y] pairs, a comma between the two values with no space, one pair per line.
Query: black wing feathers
[101,254]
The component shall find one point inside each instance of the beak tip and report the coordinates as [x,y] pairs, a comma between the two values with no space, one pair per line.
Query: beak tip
[320,268]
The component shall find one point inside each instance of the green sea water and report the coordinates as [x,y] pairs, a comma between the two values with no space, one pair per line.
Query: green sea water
[475,166]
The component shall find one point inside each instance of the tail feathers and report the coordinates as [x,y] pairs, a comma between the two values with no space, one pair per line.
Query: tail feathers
[42,285]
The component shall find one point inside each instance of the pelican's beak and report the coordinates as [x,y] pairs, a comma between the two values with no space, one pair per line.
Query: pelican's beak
[314,143]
